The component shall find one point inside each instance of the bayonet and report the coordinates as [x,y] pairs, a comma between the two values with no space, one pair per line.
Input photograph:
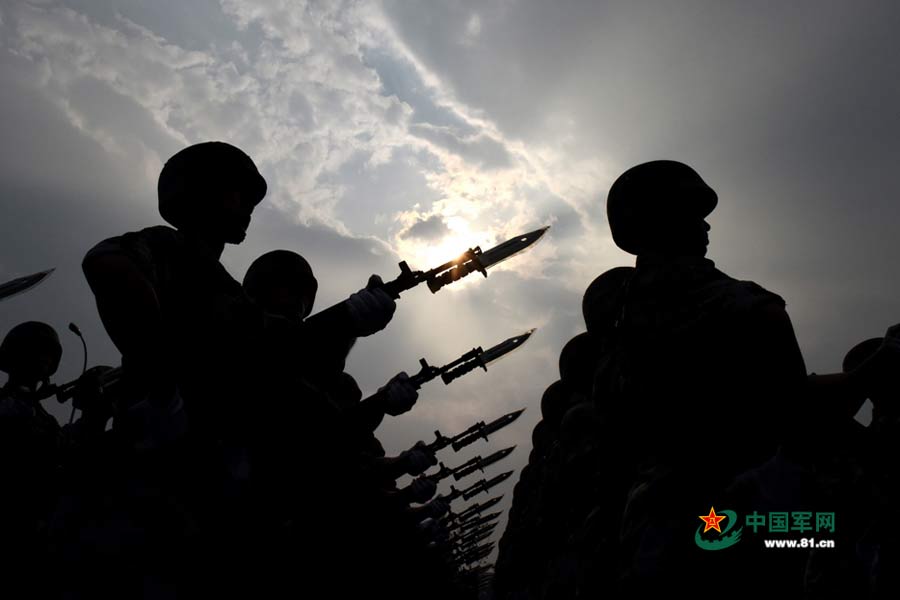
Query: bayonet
[476,488]
[467,362]
[470,261]
[475,533]
[469,467]
[20,284]
[477,431]
[475,509]
[478,463]
[471,524]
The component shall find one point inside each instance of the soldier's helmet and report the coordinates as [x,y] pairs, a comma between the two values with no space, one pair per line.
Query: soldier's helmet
[602,300]
[541,437]
[860,352]
[577,363]
[282,280]
[555,401]
[30,351]
[857,356]
[580,427]
[650,194]
[195,174]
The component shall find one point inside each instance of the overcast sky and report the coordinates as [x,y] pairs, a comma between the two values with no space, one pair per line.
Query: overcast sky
[405,130]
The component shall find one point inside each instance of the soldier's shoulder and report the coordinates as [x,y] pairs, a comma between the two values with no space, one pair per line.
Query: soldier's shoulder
[156,237]
[148,239]
[744,296]
[152,250]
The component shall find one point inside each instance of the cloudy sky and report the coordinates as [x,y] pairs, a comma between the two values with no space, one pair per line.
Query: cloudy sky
[404,130]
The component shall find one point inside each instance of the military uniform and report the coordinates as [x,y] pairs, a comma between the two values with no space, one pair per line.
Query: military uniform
[701,375]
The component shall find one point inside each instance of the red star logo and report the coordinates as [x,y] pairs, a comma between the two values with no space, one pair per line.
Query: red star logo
[712,520]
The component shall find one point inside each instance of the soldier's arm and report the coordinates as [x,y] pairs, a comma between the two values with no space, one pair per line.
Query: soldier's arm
[838,394]
[331,334]
[784,352]
[367,415]
[773,371]
[397,396]
[335,329]
[128,306]
[843,393]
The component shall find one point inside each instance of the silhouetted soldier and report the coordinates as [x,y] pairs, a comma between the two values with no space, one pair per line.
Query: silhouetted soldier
[190,338]
[30,446]
[595,539]
[357,500]
[696,356]
[35,449]
[704,371]
[859,466]
[282,283]
[882,537]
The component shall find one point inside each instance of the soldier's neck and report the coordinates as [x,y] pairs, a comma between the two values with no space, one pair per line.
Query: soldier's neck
[652,259]
[211,248]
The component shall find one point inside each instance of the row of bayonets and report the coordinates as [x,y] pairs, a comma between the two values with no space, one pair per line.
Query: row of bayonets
[467,528]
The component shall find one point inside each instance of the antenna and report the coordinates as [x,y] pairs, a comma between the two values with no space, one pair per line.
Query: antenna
[74,329]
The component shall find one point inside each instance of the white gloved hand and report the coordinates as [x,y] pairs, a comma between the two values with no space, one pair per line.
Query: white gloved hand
[371,308]
[438,507]
[428,527]
[421,490]
[400,394]
[417,459]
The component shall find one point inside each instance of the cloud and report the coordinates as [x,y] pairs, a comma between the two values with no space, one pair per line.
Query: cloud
[430,229]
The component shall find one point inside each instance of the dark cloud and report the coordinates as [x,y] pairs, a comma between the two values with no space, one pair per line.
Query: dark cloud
[431,229]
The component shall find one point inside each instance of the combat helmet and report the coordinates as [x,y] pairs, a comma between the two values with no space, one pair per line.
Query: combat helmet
[649,195]
[194,173]
[282,268]
[31,350]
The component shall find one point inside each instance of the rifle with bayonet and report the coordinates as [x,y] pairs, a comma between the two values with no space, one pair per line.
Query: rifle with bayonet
[372,408]
[471,511]
[469,467]
[464,526]
[473,555]
[467,538]
[476,488]
[478,431]
[467,362]
[472,260]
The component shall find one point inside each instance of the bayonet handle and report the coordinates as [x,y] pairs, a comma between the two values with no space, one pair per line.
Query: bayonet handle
[462,370]
[454,274]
